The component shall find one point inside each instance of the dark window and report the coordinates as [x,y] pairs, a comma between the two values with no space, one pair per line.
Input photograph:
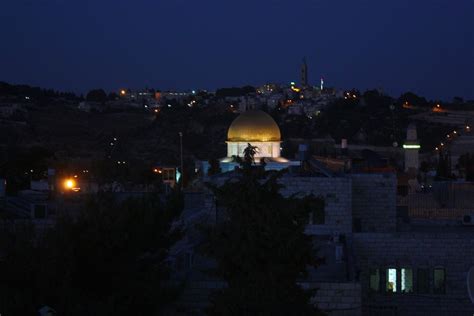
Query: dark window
[374,280]
[423,280]
[402,190]
[317,213]
[356,225]
[40,211]
[439,281]
[188,260]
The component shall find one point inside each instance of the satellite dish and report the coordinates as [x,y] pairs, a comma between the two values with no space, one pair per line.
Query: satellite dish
[470,284]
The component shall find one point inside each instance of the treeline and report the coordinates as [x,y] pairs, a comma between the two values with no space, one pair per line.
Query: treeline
[9,90]
[234,91]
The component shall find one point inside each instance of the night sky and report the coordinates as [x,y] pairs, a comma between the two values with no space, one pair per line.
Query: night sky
[425,46]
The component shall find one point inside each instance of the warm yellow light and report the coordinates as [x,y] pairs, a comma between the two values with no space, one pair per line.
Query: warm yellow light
[123,92]
[69,184]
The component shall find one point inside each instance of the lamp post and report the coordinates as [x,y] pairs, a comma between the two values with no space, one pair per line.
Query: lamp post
[181,154]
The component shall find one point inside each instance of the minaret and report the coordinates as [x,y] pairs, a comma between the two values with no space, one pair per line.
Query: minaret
[304,74]
[412,147]
[322,84]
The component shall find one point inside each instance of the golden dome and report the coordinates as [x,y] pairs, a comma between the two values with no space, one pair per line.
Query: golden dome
[254,126]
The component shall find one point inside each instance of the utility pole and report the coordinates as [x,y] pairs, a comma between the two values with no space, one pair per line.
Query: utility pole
[181,154]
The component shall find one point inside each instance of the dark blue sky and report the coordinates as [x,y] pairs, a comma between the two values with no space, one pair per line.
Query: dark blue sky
[426,46]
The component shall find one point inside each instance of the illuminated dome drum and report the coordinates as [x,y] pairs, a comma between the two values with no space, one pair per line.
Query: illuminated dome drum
[257,128]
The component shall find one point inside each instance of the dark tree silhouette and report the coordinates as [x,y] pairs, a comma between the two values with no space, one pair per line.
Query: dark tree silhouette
[443,169]
[249,154]
[97,95]
[466,163]
[214,167]
[110,260]
[260,247]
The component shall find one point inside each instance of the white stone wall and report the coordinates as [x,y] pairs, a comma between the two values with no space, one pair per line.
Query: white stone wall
[337,195]
[374,199]
[411,159]
[338,299]
[264,149]
[369,197]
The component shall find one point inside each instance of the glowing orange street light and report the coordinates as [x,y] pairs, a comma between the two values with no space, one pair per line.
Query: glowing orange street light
[123,92]
[69,184]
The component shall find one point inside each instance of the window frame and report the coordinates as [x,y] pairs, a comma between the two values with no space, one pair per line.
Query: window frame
[443,291]
[427,289]
[397,277]
[379,275]
[412,279]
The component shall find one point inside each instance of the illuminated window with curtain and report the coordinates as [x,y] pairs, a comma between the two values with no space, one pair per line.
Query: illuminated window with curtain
[391,280]
[374,280]
[439,281]
[423,281]
[406,280]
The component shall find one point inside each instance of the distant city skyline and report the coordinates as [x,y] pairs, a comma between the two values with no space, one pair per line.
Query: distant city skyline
[425,47]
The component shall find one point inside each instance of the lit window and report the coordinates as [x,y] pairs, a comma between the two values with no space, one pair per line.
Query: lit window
[374,280]
[391,284]
[423,280]
[439,281]
[407,280]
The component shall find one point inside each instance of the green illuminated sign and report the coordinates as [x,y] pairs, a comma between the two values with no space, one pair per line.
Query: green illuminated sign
[411,146]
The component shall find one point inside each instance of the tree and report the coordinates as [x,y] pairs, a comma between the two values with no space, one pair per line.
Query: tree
[443,169]
[214,167]
[113,96]
[234,92]
[466,163]
[249,154]
[110,260]
[412,99]
[260,247]
[97,95]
